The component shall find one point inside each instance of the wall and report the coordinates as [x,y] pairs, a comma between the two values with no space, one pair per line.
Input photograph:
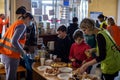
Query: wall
[2,6]
[17,3]
[26,3]
[118,20]
[108,7]
[12,11]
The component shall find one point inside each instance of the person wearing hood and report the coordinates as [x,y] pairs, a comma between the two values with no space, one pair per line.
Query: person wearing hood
[73,26]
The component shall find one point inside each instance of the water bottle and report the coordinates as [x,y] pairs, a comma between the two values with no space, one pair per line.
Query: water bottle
[42,51]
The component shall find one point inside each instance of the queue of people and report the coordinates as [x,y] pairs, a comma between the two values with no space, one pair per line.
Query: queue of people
[83,45]
[108,55]
[106,48]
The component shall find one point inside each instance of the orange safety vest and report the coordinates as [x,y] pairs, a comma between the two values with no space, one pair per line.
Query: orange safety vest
[6,46]
[3,23]
[115,33]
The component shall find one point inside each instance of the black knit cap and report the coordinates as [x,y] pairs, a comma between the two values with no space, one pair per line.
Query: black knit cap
[21,10]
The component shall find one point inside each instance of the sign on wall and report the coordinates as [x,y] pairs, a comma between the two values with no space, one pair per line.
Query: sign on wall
[66,2]
[94,15]
[34,5]
[45,17]
[37,11]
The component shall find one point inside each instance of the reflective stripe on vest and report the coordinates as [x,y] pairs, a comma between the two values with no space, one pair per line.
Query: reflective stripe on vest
[8,47]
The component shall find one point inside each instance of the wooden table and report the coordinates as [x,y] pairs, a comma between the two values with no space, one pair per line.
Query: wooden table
[39,75]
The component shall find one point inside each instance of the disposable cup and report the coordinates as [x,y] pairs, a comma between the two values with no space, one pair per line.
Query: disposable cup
[42,61]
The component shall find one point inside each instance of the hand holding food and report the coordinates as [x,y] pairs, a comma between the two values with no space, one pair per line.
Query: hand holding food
[88,53]
[83,68]
[59,64]
[76,72]
[84,76]
[72,59]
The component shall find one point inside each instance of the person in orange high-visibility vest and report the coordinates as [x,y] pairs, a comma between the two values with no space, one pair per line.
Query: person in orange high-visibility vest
[11,44]
[114,30]
[2,17]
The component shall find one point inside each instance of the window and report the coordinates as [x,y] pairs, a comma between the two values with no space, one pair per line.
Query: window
[57,13]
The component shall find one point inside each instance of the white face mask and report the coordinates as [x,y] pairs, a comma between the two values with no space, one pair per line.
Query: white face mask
[30,23]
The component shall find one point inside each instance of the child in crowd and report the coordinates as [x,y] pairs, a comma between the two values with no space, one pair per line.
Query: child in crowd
[78,56]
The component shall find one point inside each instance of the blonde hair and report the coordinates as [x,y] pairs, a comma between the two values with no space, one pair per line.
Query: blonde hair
[87,23]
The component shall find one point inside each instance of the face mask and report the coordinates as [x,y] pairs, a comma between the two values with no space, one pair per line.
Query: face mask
[30,23]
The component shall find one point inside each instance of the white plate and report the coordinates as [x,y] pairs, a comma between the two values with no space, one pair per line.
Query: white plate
[43,68]
[65,69]
[64,76]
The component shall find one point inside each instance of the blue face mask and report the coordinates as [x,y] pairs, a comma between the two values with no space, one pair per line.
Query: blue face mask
[31,23]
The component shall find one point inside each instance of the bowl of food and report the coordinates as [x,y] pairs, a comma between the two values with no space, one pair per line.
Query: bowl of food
[85,76]
[48,62]
[51,71]
[59,64]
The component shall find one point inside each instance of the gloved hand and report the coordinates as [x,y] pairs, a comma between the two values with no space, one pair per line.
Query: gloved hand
[23,55]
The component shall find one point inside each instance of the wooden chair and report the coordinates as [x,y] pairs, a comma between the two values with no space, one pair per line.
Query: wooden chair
[19,70]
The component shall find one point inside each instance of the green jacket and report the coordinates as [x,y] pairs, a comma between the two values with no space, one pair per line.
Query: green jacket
[111,63]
